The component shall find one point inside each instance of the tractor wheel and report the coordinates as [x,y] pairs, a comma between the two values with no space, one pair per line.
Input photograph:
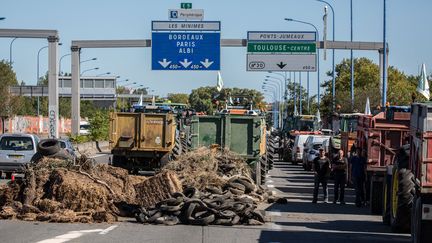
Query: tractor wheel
[401,200]
[177,150]
[421,230]
[263,169]
[386,201]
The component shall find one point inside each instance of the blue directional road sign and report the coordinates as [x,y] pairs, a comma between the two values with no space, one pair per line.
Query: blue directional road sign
[198,51]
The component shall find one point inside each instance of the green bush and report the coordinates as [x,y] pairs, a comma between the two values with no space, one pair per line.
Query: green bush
[79,139]
[99,125]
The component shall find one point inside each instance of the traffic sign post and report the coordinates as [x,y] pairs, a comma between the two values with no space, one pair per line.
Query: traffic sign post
[184,48]
[281,51]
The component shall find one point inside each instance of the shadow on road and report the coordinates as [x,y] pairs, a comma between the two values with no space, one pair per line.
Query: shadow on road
[302,221]
[325,237]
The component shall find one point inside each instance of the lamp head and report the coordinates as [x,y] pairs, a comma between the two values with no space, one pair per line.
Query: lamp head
[288,19]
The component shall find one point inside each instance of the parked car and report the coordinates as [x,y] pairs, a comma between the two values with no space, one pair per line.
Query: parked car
[68,147]
[311,149]
[16,150]
[84,128]
[297,150]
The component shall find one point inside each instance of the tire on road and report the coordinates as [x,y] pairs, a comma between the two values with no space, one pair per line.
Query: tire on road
[48,146]
[401,200]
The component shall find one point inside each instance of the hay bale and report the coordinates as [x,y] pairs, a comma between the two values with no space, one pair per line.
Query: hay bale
[157,188]
[206,167]
[57,191]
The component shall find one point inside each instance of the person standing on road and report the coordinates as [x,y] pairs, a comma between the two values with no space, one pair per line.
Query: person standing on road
[321,168]
[339,168]
[358,176]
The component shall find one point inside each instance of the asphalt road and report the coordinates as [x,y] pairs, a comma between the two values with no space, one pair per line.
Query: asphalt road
[297,221]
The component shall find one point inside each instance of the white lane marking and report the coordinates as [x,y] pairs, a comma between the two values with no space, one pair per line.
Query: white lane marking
[76,234]
[271,186]
[274,213]
[270,181]
[275,226]
[107,230]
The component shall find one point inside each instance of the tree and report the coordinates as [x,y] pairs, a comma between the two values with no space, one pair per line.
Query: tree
[178,98]
[208,99]
[289,104]
[366,84]
[9,104]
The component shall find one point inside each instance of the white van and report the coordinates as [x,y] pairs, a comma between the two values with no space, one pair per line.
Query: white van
[297,152]
[311,149]
[84,128]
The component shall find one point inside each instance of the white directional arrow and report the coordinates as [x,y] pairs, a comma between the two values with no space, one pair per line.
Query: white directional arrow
[206,63]
[185,63]
[164,63]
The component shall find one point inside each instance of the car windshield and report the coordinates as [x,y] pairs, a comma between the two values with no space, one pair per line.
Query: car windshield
[16,143]
[84,127]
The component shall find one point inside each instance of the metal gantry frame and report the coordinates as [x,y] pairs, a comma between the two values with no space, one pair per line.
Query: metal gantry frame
[77,45]
[53,41]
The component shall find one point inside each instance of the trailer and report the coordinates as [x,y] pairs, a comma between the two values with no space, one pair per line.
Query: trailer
[243,134]
[380,136]
[408,186]
[144,140]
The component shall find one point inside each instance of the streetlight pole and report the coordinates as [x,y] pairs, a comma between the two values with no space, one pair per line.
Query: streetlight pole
[275,116]
[274,88]
[333,55]
[295,94]
[37,79]
[352,59]
[279,84]
[300,94]
[384,88]
[38,54]
[107,73]
[308,101]
[61,58]
[318,67]
[87,70]
[273,107]
[10,51]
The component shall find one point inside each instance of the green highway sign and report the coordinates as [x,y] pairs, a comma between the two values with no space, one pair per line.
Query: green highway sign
[285,47]
[186,5]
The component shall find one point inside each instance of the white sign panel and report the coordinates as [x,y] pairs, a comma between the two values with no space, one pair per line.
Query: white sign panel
[281,36]
[281,62]
[186,14]
[186,25]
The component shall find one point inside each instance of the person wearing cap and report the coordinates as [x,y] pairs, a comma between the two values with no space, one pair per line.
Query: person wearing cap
[321,168]
[339,168]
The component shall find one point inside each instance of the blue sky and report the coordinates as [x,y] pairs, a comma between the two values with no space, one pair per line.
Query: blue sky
[409,35]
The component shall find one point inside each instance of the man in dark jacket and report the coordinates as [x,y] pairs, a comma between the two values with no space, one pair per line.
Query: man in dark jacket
[358,175]
[339,168]
[321,168]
